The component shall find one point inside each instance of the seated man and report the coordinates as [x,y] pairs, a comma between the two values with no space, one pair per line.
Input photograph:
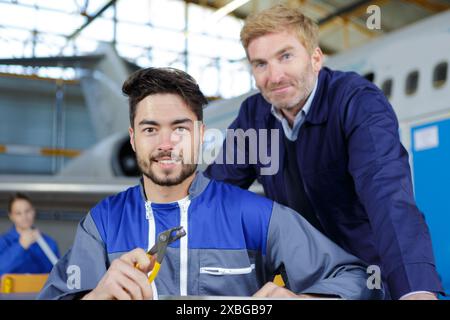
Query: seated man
[236,240]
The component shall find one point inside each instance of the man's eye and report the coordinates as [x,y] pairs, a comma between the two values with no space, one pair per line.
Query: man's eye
[286,56]
[149,130]
[181,130]
[260,65]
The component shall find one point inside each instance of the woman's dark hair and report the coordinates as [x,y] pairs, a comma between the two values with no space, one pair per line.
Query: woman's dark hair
[17,196]
[150,81]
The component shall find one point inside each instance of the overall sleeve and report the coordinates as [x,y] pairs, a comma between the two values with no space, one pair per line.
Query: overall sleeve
[11,256]
[80,270]
[380,169]
[242,175]
[310,263]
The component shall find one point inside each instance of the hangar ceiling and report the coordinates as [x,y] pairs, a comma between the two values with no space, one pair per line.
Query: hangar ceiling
[176,33]
[343,22]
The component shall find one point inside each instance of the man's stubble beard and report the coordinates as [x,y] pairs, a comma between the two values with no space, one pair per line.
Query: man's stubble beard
[187,170]
[306,87]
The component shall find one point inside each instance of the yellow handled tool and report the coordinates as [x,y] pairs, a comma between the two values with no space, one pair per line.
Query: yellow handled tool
[164,239]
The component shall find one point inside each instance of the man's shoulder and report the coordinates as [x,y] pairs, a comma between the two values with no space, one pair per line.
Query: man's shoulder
[340,92]
[110,203]
[255,107]
[256,99]
[245,198]
[111,210]
[5,238]
[346,83]
[9,235]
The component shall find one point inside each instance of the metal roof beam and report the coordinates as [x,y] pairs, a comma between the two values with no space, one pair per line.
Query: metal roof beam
[344,11]
[90,19]
[430,6]
[214,5]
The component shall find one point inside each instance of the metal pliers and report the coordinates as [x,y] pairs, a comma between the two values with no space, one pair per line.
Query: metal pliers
[164,239]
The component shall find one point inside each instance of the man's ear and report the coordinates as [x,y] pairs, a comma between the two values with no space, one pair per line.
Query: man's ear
[131,133]
[317,60]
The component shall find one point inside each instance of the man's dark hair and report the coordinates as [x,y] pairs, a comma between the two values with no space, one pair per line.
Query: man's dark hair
[150,81]
[17,196]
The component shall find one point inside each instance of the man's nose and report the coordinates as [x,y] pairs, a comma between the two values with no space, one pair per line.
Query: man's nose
[276,74]
[166,141]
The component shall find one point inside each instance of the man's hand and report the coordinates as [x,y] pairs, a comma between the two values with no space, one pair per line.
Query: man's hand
[271,290]
[123,281]
[420,296]
[28,237]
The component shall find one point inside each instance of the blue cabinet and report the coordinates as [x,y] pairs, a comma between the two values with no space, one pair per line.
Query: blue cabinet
[431,168]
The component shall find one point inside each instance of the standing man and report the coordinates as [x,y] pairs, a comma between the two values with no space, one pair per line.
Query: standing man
[341,163]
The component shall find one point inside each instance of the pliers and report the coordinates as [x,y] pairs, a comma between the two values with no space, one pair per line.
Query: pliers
[164,239]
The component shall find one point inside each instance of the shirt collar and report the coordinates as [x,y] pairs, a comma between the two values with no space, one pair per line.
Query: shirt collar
[310,99]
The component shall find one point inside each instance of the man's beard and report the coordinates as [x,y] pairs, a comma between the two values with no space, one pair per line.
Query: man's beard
[306,85]
[187,170]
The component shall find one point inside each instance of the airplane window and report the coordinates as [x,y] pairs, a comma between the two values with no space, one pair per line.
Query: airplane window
[440,74]
[369,76]
[387,88]
[412,81]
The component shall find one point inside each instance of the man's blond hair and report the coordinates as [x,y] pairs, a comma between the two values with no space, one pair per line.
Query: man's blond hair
[277,19]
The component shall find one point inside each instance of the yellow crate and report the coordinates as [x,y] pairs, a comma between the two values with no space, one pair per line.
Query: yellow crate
[22,283]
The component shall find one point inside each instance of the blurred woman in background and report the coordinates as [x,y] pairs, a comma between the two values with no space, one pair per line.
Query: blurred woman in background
[23,249]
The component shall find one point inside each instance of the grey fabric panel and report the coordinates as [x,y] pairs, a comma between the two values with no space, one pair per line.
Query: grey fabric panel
[168,280]
[313,263]
[114,256]
[198,185]
[231,284]
[194,267]
[348,282]
[88,254]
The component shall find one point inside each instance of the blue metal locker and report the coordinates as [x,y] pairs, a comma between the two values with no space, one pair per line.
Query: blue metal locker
[431,163]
